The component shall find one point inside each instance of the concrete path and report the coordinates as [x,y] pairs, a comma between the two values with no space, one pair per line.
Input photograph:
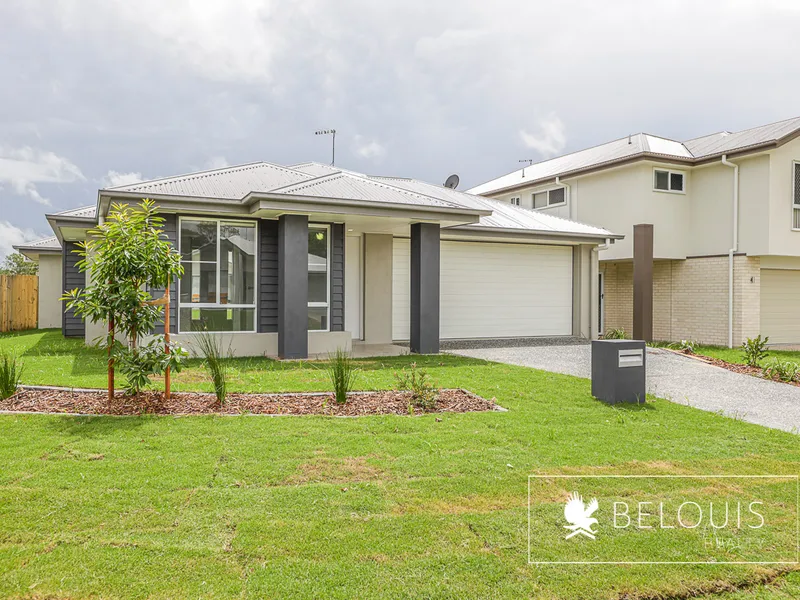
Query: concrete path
[676,378]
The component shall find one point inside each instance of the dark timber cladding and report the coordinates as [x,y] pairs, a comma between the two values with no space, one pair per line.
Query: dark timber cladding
[71,325]
[268,276]
[293,286]
[643,282]
[337,277]
[171,234]
[425,257]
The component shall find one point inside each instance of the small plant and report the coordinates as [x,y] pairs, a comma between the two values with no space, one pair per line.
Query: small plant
[10,375]
[755,350]
[342,372]
[685,346]
[214,362]
[142,362]
[615,333]
[423,393]
[784,370]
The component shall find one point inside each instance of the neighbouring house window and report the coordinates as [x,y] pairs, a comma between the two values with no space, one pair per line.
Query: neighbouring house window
[668,181]
[218,289]
[318,278]
[796,196]
[552,197]
[515,201]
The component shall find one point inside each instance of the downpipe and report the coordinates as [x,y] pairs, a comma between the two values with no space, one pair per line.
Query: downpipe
[735,245]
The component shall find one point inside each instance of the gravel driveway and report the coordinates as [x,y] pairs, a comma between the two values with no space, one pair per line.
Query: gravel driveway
[676,378]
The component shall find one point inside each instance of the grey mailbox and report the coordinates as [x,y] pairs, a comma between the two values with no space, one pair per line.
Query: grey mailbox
[618,370]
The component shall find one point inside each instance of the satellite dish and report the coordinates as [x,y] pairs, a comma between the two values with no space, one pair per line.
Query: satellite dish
[452,182]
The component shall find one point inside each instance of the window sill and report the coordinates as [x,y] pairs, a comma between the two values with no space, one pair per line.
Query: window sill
[679,192]
[551,206]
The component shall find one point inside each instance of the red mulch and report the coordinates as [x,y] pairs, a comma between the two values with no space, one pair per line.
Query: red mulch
[735,367]
[185,403]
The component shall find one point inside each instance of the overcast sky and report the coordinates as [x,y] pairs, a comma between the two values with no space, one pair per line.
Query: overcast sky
[103,92]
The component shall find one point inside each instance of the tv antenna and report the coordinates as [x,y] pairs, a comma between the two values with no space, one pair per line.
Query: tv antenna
[333,133]
[452,182]
[526,160]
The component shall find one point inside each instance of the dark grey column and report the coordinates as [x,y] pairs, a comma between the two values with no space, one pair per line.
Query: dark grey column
[643,282]
[425,288]
[293,286]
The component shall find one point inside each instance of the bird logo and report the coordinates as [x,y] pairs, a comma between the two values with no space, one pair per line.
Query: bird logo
[579,515]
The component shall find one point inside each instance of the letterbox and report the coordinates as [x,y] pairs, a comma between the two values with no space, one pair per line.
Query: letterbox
[618,370]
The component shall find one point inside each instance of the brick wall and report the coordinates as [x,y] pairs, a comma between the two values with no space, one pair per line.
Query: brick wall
[690,298]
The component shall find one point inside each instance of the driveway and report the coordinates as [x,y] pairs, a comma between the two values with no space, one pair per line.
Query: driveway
[676,378]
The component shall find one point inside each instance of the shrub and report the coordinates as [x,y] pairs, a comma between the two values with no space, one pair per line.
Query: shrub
[423,393]
[755,350]
[617,333]
[10,375]
[214,363]
[685,346]
[342,372]
[140,363]
[785,370]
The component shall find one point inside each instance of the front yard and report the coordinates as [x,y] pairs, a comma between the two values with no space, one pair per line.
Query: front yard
[380,506]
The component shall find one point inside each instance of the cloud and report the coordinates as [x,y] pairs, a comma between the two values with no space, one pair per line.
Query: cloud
[11,235]
[216,162]
[23,168]
[114,179]
[368,148]
[549,140]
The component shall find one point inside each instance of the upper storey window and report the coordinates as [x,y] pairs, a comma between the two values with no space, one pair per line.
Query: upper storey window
[669,181]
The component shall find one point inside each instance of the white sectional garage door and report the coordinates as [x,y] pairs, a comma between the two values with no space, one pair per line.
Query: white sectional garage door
[780,319]
[492,290]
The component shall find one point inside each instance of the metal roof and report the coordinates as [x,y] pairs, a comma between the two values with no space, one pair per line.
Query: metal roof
[50,243]
[84,212]
[644,145]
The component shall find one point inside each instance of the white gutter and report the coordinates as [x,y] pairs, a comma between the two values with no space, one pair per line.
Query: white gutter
[568,196]
[735,244]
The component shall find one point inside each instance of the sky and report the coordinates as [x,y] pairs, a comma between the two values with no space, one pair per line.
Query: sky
[95,93]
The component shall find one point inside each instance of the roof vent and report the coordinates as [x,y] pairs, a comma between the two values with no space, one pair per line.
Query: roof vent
[629,138]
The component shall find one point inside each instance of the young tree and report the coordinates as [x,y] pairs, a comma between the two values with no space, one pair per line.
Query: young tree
[127,256]
[16,264]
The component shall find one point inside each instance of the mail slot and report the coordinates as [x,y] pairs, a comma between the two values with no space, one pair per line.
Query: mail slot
[618,370]
[631,358]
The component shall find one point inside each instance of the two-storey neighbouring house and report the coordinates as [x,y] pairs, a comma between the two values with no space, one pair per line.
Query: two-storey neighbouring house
[726,214]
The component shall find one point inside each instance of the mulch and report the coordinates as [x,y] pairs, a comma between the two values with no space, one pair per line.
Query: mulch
[185,403]
[735,367]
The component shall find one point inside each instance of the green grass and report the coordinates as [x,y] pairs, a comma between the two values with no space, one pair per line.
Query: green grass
[304,507]
[734,355]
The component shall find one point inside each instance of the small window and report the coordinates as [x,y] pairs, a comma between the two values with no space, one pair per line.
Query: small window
[515,201]
[556,196]
[668,181]
[540,200]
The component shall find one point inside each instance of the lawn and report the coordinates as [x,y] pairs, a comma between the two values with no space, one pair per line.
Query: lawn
[734,355]
[306,507]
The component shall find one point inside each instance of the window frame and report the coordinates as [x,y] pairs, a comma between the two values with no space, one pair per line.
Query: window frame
[327,304]
[219,221]
[795,194]
[547,191]
[669,173]
[514,200]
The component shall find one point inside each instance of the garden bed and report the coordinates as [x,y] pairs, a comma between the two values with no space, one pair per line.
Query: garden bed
[735,367]
[390,402]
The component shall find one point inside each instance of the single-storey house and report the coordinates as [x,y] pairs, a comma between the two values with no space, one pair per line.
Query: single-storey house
[725,210]
[302,260]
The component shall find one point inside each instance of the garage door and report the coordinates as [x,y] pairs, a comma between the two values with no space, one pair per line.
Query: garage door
[780,320]
[492,290]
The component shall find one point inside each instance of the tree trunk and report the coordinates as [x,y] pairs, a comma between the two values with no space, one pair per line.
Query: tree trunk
[110,361]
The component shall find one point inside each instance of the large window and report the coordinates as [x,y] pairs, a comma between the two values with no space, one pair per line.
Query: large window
[796,195]
[218,289]
[318,278]
[668,181]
